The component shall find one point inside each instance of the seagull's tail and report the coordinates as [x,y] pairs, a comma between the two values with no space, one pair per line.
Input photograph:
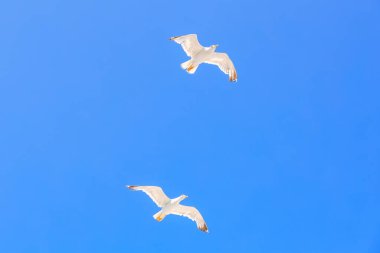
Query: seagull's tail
[190,66]
[159,216]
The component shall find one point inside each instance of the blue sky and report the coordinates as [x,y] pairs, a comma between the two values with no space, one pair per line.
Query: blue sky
[92,98]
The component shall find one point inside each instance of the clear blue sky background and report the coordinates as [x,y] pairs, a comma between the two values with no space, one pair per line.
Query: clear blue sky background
[92,98]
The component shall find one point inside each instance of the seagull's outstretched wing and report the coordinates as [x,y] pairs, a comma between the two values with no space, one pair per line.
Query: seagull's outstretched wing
[224,63]
[193,214]
[189,43]
[154,192]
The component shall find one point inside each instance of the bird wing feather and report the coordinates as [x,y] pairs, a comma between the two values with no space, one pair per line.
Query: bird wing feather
[224,63]
[192,213]
[189,43]
[154,192]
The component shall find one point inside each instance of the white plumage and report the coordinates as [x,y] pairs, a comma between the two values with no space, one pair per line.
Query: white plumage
[171,206]
[200,54]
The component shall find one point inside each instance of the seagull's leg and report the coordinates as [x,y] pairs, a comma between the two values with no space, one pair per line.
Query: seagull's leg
[159,216]
[191,67]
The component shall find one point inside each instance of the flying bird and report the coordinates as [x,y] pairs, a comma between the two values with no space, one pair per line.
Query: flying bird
[200,54]
[171,206]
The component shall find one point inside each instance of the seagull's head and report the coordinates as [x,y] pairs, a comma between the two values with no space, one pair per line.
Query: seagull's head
[184,196]
[214,46]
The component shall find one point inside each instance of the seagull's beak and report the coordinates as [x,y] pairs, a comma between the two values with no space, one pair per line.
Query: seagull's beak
[186,196]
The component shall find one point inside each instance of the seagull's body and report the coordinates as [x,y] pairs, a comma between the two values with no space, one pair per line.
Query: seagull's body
[171,206]
[200,54]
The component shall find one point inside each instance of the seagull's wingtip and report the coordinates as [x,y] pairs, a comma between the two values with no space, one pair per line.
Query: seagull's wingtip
[204,228]
[174,37]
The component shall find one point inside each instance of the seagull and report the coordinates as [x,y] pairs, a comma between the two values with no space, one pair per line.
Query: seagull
[171,206]
[200,54]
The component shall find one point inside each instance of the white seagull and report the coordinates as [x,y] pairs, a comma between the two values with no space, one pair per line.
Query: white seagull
[200,54]
[171,206]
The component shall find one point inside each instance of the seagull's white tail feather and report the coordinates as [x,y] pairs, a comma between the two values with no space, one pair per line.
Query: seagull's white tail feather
[159,216]
[190,66]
